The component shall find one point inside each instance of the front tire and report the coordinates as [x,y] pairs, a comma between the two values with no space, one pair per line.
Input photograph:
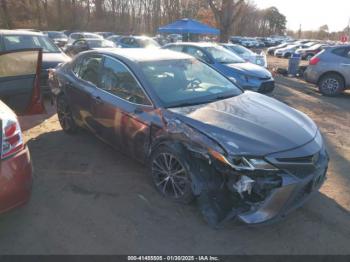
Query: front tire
[170,175]
[65,115]
[331,85]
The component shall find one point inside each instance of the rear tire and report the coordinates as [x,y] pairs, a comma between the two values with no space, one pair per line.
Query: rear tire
[170,175]
[331,85]
[65,115]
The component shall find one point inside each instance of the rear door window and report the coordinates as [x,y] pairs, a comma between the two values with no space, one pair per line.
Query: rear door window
[88,69]
[18,74]
[129,42]
[18,64]
[177,48]
[342,51]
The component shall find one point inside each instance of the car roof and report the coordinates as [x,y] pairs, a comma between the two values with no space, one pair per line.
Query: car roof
[144,54]
[343,45]
[19,32]
[228,44]
[137,36]
[198,44]
[83,33]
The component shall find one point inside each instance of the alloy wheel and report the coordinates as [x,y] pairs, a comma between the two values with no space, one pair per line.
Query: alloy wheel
[170,176]
[64,114]
[330,85]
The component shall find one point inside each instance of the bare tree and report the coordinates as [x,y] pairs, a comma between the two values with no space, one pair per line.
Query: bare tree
[6,16]
[224,12]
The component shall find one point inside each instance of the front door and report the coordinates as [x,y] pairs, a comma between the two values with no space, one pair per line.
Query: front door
[122,109]
[20,81]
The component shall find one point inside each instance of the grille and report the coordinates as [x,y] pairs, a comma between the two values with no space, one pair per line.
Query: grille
[305,160]
[302,166]
[267,87]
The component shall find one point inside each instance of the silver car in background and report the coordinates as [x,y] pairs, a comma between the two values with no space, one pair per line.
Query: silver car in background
[247,55]
[330,70]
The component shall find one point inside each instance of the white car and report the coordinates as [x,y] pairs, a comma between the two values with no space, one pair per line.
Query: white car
[247,55]
[75,36]
[287,51]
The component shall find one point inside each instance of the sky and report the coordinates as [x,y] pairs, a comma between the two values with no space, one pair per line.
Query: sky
[312,14]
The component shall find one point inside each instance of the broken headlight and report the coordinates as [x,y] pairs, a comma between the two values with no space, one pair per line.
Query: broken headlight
[241,163]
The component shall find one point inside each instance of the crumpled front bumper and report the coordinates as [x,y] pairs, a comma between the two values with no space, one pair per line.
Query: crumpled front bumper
[298,185]
[292,194]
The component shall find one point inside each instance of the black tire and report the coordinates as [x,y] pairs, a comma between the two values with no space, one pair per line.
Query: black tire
[65,116]
[170,175]
[331,84]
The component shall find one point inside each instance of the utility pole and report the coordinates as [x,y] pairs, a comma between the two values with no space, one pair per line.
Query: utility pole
[299,32]
[349,30]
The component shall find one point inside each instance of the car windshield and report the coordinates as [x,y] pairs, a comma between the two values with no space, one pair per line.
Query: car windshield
[239,50]
[95,36]
[187,82]
[16,42]
[97,43]
[148,42]
[85,35]
[56,35]
[281,45]
[221,55]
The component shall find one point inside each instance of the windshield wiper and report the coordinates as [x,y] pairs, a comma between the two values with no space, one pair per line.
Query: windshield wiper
[222,97]
[188,104]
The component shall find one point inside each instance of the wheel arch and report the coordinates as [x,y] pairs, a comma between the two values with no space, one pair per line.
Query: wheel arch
[330,73]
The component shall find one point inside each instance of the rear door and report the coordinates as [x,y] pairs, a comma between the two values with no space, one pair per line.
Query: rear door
[20,81]
[80,85]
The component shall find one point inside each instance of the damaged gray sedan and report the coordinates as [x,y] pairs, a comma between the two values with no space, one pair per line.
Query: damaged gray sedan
[240,155]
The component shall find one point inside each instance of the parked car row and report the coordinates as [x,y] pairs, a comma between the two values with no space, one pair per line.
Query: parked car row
[234,58]
[306,49]
[254,42]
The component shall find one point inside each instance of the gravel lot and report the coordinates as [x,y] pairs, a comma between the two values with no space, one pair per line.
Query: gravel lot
[90,199]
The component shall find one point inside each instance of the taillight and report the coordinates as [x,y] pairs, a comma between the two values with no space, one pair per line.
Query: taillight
[314,60]
[12,140]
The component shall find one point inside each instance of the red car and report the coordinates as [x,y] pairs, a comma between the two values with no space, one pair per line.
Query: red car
[20,93]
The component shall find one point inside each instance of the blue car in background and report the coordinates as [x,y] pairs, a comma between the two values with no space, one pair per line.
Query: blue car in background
[247,75]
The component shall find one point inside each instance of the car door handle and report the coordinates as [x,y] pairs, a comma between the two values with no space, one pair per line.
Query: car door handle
[98,100]
[345,64]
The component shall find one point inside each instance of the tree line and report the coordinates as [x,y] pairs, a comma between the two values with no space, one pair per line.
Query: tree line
[232,17]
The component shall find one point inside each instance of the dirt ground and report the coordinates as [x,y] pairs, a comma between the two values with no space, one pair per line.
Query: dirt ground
[90,199]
